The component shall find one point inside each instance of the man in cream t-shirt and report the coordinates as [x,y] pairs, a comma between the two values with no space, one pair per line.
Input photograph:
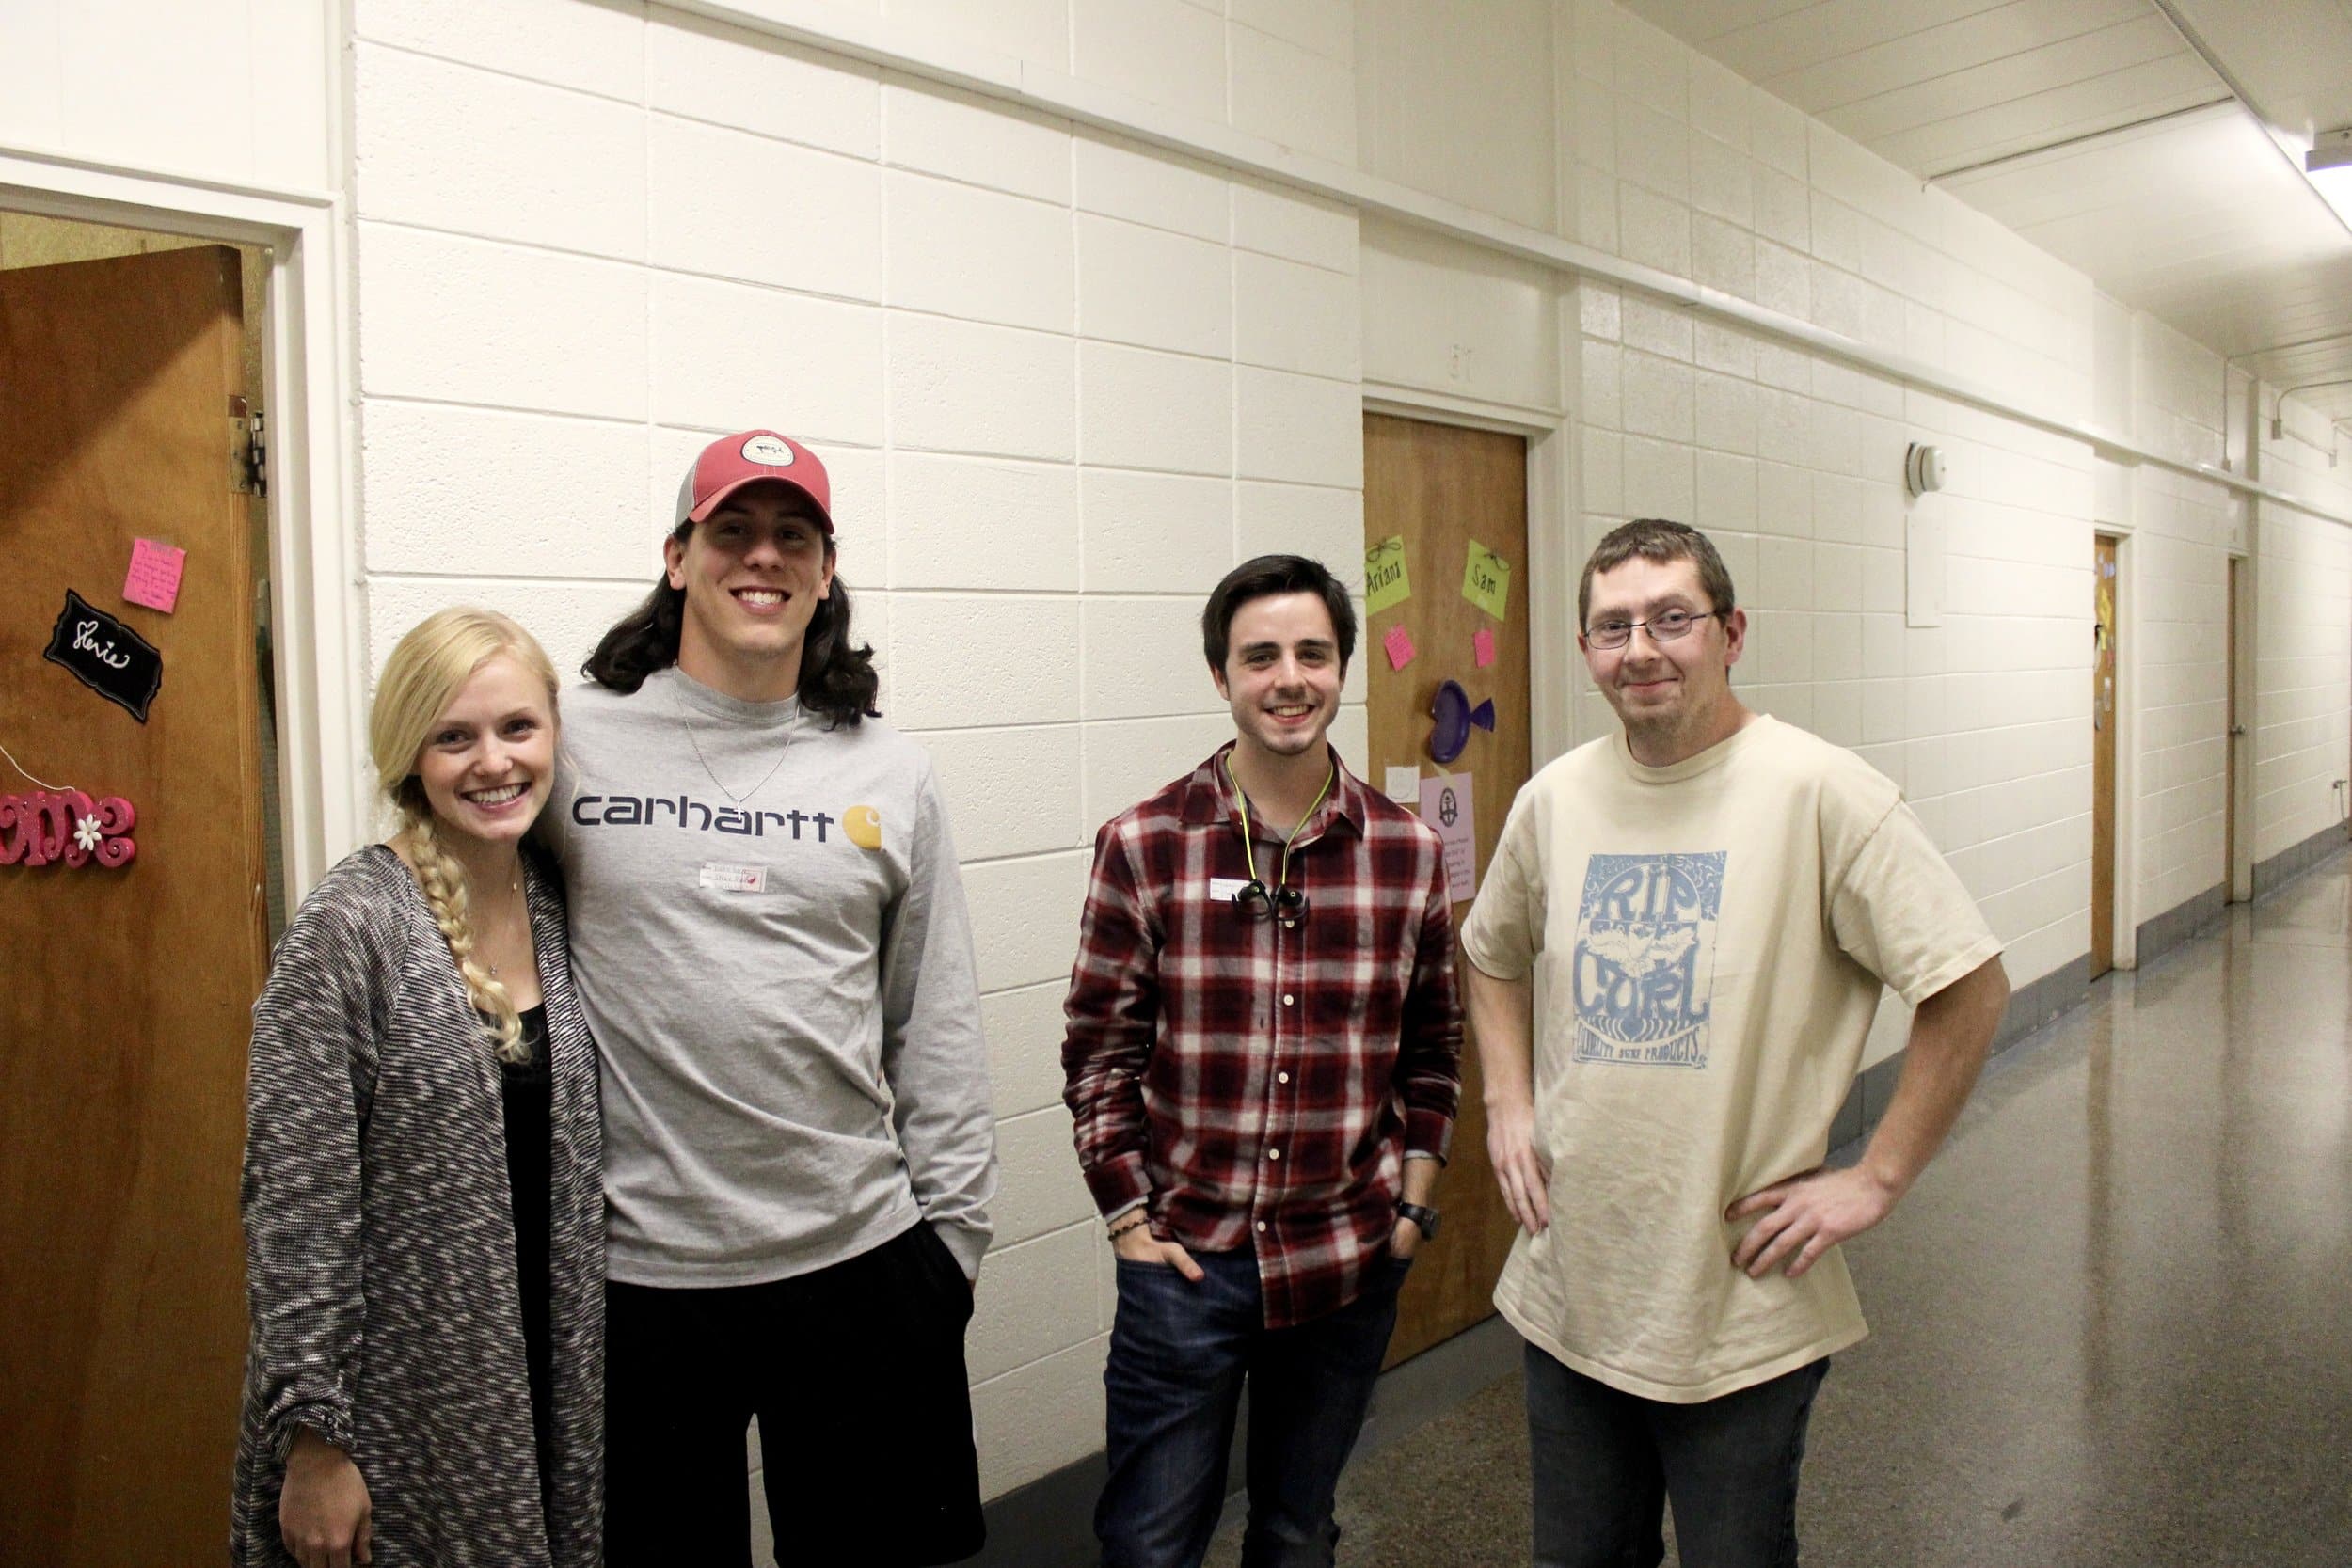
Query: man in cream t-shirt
[1715,900]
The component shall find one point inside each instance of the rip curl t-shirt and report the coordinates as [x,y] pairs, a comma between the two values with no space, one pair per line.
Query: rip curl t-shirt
[1713,938]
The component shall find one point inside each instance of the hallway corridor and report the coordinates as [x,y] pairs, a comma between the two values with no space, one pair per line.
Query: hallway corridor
[2112,1327]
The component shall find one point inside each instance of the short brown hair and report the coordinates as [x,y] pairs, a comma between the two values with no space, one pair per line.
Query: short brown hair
[1655,539]
[1263,578]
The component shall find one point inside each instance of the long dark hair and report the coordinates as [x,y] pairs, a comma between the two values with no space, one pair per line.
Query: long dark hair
[837,679]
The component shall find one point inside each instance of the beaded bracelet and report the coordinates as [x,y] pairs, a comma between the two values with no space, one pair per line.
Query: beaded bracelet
[1136,1222]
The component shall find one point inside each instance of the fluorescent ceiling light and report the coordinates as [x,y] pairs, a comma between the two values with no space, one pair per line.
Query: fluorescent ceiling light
[2328,167]
[2335,188]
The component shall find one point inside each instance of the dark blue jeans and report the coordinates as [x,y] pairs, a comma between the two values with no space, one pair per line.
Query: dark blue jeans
[1607,1461]
[1179,1356]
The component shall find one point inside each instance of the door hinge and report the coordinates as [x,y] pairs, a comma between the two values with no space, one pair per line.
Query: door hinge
[248,449]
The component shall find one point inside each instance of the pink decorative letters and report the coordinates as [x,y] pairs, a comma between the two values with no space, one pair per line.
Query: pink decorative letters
[66,824]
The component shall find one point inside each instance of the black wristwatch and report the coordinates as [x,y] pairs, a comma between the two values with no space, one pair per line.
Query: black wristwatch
[1423,1217]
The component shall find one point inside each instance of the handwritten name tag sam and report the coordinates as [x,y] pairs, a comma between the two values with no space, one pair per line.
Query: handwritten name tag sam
[105,656]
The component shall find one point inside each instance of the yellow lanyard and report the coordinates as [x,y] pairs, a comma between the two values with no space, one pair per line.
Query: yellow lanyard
[1249,853]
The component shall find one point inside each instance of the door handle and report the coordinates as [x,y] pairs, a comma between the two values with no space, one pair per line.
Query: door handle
[2237,731]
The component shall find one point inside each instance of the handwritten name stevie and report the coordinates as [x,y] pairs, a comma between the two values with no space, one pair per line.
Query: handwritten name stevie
[105,656]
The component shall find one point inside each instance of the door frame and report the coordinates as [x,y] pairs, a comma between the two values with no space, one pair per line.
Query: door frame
[316,609]
[1552,664]
[2237,802]
[2125,940]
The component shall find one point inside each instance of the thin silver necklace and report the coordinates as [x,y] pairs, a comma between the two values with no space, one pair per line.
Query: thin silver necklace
[515,886]
[687,716]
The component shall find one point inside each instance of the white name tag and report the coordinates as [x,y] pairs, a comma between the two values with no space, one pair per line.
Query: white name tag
[1223,890]
[735,878]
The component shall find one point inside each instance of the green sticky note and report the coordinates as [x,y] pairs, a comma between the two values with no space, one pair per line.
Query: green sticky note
[1486,581]
[1385,582]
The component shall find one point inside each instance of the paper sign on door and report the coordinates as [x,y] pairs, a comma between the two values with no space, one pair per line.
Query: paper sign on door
[154,580]
[1445,805]
[1486,580]
[1385,579]
[1398,645]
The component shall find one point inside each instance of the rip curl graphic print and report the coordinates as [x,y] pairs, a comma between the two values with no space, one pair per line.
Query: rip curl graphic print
[1645,958]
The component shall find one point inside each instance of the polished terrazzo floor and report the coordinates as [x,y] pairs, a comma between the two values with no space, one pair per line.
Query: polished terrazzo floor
[2113,1328]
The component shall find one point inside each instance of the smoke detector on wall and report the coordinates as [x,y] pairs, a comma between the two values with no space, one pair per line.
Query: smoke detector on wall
[1923,468]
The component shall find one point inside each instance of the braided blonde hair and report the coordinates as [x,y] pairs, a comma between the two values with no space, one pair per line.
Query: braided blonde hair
[428,667]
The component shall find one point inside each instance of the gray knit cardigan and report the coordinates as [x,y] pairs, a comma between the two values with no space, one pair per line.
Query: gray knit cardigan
[380,1240]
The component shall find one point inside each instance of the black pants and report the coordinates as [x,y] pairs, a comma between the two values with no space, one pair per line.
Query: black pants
[856,1374]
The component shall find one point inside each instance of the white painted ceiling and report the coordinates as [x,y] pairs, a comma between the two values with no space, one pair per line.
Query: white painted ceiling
[2097,130]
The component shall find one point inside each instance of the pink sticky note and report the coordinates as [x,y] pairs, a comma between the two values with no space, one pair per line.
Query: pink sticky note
[1483,644]
[1399,643]
[154,580]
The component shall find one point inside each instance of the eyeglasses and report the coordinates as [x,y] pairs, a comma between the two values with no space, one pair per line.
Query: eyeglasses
[1665,627]
[1257,901]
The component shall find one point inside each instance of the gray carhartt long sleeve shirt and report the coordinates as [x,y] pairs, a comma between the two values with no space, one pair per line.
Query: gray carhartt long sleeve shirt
[770,936]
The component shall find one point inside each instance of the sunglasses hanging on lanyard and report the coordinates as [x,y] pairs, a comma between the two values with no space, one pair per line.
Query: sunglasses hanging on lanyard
[1281,901]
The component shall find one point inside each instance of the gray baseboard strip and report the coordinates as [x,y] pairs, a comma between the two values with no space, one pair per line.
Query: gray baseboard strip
[2036,1005]
[2033,1007]
[2043,1002]
[1049,1522]
[1414,1393]
[2291,861]
[2180,923]
[2030,1007]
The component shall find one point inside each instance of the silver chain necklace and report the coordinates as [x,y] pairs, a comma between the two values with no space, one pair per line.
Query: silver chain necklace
[515,886]
[686,713]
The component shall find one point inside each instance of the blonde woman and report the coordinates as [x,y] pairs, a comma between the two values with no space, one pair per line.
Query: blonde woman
[423,1207]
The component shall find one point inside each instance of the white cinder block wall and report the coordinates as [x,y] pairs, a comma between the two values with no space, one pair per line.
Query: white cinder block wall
[2175,586]
[240,92]
[2303,660]
[1062,385]
[1065,380]
[1794,461]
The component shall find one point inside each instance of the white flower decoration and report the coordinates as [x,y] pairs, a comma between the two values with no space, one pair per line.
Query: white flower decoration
[87,835]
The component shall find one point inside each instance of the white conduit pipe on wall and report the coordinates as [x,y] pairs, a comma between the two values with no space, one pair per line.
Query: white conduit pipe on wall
[971,69]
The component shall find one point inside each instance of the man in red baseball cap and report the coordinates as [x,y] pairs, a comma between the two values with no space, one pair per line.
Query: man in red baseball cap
[749,457]
[770,939]
[752,619]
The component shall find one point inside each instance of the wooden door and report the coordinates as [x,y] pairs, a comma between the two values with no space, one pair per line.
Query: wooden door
[2103,721]
[124,1021]
[1440,490]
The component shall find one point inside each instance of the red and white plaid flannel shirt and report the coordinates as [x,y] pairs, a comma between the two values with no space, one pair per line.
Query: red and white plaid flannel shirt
[1258,1085]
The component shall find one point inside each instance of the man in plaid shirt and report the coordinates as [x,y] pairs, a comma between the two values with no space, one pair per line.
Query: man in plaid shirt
[1263,1062]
